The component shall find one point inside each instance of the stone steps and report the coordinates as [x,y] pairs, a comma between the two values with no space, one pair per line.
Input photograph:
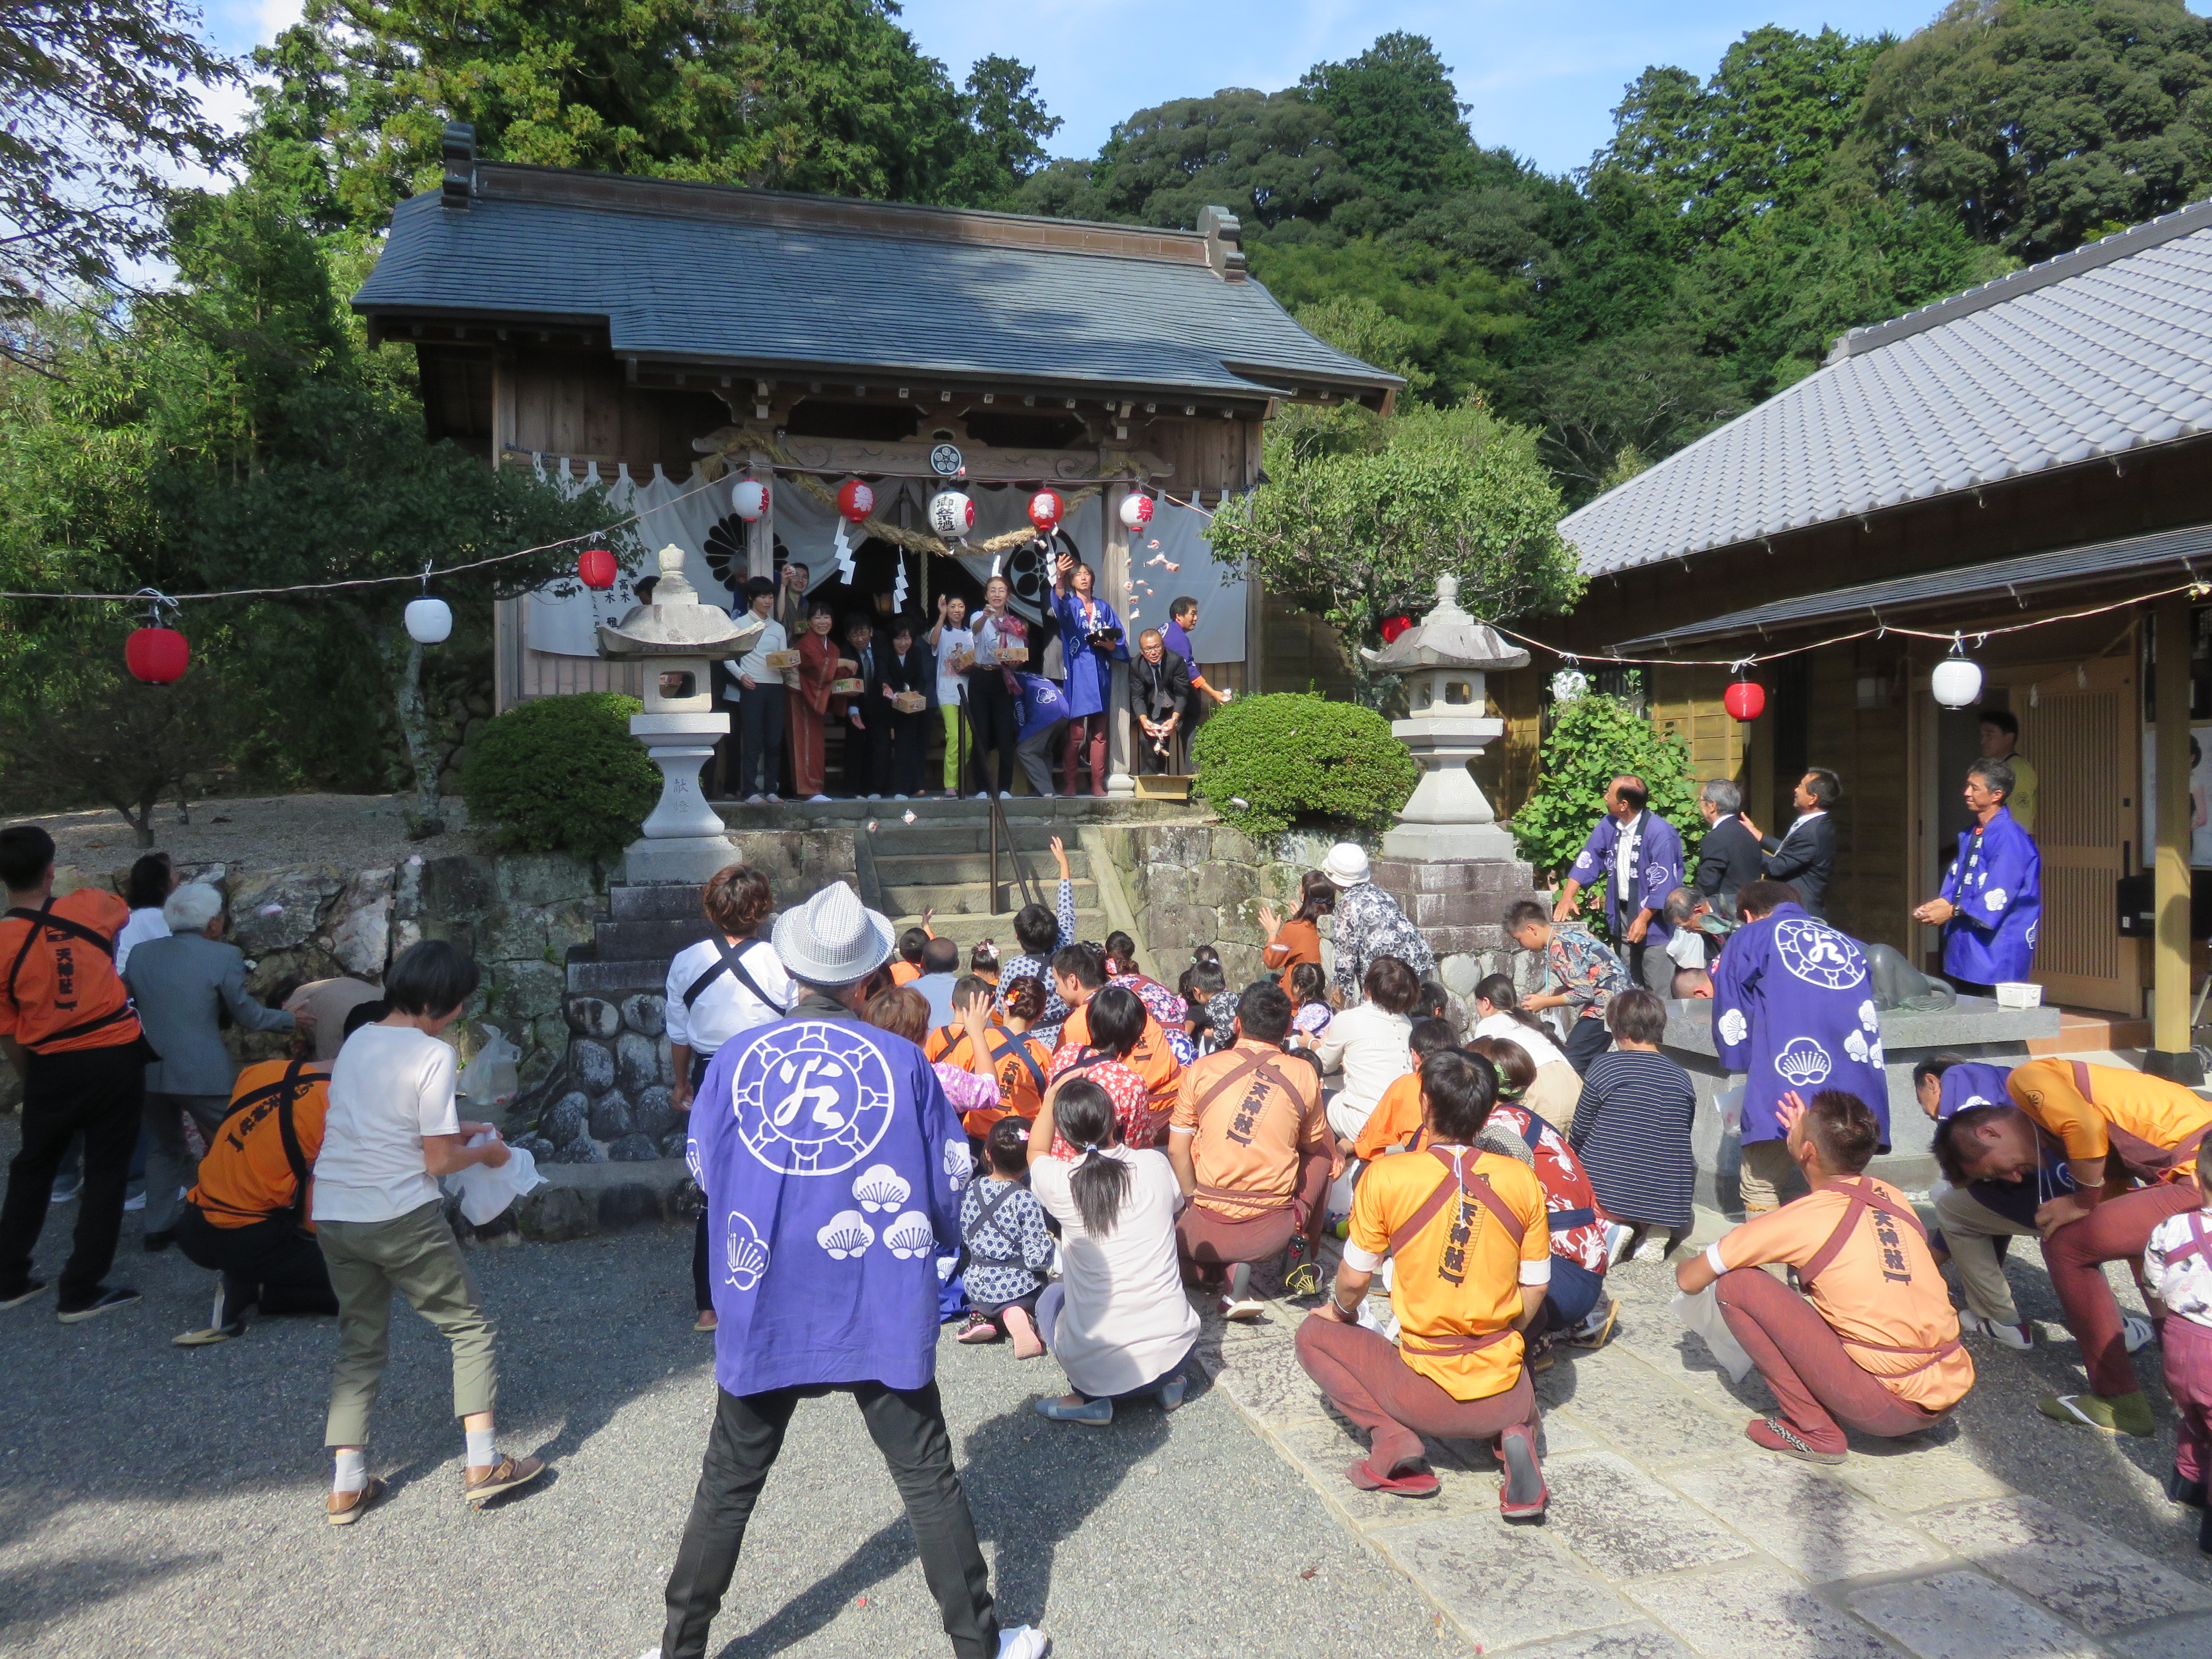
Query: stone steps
[965,898]
[965,929]
[904,869]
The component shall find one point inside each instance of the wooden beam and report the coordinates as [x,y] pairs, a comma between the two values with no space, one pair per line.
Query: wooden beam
[2171,1053]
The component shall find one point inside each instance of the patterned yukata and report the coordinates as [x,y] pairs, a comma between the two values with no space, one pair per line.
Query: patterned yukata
[1370,924]
[1162,1004]
[1997,883]
[1141,1126]
[1578,963]
[1008,1254]
[1793,1007]
[1028,967]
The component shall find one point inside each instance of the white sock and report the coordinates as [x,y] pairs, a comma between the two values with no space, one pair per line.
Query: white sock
[352,1473]
[480,1454]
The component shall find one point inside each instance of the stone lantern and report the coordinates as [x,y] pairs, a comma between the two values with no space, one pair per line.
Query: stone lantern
[684,840]
[1448,723]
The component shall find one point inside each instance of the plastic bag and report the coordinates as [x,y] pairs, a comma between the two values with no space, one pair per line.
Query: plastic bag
[484,1192]
[491,1080]
[1729,1104]
[1702,1313]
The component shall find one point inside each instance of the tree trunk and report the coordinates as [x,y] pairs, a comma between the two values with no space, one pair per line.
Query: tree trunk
[415,727]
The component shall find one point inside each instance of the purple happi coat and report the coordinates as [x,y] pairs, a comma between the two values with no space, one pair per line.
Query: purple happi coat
[1793,1009]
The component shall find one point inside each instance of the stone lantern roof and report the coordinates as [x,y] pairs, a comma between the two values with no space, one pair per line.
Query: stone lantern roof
[1448,638]
[675,624]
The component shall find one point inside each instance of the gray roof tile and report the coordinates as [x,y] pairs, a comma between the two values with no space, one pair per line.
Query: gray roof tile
[2096,353]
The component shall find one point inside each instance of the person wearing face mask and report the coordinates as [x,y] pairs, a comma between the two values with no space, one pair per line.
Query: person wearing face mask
[1093,639]
[1002,643]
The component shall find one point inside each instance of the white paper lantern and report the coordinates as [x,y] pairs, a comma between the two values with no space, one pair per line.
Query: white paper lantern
[750,499]
[1957,682]
[952,515]
[1136,510]
[429,622]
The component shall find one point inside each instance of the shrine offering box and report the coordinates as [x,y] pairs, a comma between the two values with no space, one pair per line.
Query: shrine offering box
[847,688]
[910,702]
[780,660]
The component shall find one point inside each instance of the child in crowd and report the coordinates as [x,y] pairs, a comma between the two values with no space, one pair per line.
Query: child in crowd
[906,967]
[2177,1270]
[1205,990]
[1309,989]
[1434,1003]
[1631,1129]
[983,963]
[969,1083]
[1396,1124]
[1009,1246]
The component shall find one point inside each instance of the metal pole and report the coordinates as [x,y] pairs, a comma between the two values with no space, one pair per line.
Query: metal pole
[2171,1052]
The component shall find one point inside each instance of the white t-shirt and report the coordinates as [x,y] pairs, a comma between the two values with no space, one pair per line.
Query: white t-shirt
[755,662]
[1372,1045]
[1127,1320]
[147,924]
[1536,1045]
[1685,948]
[390,1086]
[726,1007]
[950,640]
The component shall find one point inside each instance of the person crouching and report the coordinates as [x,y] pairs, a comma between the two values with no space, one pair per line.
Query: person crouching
[1009,1246]
[1472,1243]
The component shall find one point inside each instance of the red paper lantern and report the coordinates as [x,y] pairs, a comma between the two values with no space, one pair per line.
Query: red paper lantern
[1394,626]
[158,656]
[596,569]
[855,499]
[1046,508]
[1745,700]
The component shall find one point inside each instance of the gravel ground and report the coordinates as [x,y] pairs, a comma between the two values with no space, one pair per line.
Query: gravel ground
[257,832]
[157,1500]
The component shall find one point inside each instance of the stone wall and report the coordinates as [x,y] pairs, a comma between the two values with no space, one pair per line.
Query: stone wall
[1188,885]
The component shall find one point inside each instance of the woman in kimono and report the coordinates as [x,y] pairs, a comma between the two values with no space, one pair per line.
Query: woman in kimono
[1993,899]
[819,666]
[1092,641]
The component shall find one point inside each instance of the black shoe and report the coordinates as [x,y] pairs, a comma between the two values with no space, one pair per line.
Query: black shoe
[22,1293]
[157,1242]
[107,1301]
[2191,1492]
[2204,1533]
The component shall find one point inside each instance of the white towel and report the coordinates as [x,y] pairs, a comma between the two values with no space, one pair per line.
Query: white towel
[484,1192]
[1702,1313]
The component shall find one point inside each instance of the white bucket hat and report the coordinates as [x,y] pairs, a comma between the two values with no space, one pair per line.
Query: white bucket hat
[1345,865]
[832,939]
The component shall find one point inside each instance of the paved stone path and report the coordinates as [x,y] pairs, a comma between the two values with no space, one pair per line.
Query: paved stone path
[1998,1536]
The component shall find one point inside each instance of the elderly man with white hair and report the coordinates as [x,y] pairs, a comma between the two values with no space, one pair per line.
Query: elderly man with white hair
[181,984]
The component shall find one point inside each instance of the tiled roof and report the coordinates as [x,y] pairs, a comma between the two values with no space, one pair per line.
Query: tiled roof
[717,274]
[2095,353]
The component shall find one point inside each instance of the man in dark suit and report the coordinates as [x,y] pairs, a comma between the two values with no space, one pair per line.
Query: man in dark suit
[1159,693]
[1805,857]
[868,716]
[1729,856]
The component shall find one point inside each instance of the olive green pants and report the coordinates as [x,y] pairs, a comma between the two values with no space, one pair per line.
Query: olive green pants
[1769,1176]
[417,1255]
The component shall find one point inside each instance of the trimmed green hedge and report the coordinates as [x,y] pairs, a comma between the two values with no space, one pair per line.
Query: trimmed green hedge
[1266,763]
[563,774]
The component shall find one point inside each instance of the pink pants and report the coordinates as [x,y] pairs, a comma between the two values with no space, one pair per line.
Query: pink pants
[2115,1230]
[1805,1363]
[1207,1238]
[2188,1348]
[1364,1377]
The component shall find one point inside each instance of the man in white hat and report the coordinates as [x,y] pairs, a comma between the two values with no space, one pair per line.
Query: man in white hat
[1369,924]
[833,1166]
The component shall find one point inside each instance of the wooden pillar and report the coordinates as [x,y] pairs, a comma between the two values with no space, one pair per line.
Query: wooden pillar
[1111,585]
[2171,1054]
[760,544]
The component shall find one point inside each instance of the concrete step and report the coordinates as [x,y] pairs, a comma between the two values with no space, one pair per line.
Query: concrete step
[965,929]
[1040,810]
[589,977]
[658,902]
[643,941]
[901,870]
[897,841]
[969,898]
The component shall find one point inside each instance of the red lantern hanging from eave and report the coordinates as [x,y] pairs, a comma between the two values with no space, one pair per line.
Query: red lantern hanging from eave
[1394,626]
[158,656]
[596,569]
[855,499]
[1745,700]
[1047,508]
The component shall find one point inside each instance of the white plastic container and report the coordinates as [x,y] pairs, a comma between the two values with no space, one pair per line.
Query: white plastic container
[2014,993]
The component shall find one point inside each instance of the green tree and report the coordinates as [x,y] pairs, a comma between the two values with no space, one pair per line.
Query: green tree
[1399,120]
[101,102]
[1356,532]
[1595,738]
[2038,124]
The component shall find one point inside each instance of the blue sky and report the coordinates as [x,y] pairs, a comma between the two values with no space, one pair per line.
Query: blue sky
[1540,78]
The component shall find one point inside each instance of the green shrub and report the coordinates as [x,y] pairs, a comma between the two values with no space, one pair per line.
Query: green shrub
[563,774]
[1265,763]
[1595,738]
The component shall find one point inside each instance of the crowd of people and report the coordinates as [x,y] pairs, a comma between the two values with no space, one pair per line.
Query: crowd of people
[1062,1152]
[994,688]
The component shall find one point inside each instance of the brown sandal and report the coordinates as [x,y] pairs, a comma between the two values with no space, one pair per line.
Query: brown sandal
[346,1512]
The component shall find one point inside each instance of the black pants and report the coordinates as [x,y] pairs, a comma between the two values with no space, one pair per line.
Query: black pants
[1586,1040]
[991,711]
[760,740]
[910,749]
[909,1429]
[98,1092]
[868,752]
[269,1264]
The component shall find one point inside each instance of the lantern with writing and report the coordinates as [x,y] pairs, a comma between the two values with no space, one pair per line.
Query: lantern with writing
[1745,700]
[952,514]
[1957,681]
[429,622]
[1136,510]
[596,569]
[159,656]
[1046,511]
[750,499]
